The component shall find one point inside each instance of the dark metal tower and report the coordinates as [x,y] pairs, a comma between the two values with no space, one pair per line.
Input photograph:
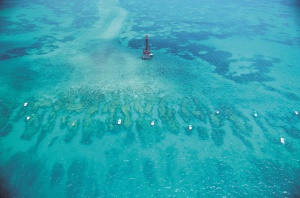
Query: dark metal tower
[146,53]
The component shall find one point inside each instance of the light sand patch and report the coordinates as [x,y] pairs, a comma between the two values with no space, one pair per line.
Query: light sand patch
[115,26]
[111,19]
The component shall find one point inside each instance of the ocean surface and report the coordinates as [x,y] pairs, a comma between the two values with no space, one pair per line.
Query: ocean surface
[69,70]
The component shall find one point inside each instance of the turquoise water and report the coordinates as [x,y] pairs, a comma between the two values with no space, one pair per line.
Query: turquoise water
[70,69]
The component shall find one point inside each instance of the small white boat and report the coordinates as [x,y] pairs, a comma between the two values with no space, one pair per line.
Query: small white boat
[255,114]
[296,112]
[73,124]
[119,121]
[217,112]
[190,127]
[28,117]
[25,104]
[152,123]
[282,140]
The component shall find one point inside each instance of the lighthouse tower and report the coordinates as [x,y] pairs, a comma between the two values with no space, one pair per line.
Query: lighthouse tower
[146,53]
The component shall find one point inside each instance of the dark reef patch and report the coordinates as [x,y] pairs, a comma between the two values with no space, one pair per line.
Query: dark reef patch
[92,127]
[293,132]
[41,136]
[43,46]
[75,178]
[57,173]
[261,66]
[257,76]
[246,142]
[72,132]
[217,136]
[217,58]
[149,171]
[6,130]
[18,27]
[85,21]
[284,93]
[53,140]
[67,39]
[203,133]
[269,136]
[32,127]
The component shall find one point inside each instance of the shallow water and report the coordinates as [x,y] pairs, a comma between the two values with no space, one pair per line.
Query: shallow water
[78,68]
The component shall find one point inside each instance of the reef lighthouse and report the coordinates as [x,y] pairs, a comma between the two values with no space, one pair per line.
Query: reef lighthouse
[146,53]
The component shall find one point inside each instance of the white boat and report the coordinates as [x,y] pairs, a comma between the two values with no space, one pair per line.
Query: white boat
[119,121]
[25,104]
[296,112]
[217,112]
[28,117]
[255,114]
[152,123]
[282,140]
[190,127]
